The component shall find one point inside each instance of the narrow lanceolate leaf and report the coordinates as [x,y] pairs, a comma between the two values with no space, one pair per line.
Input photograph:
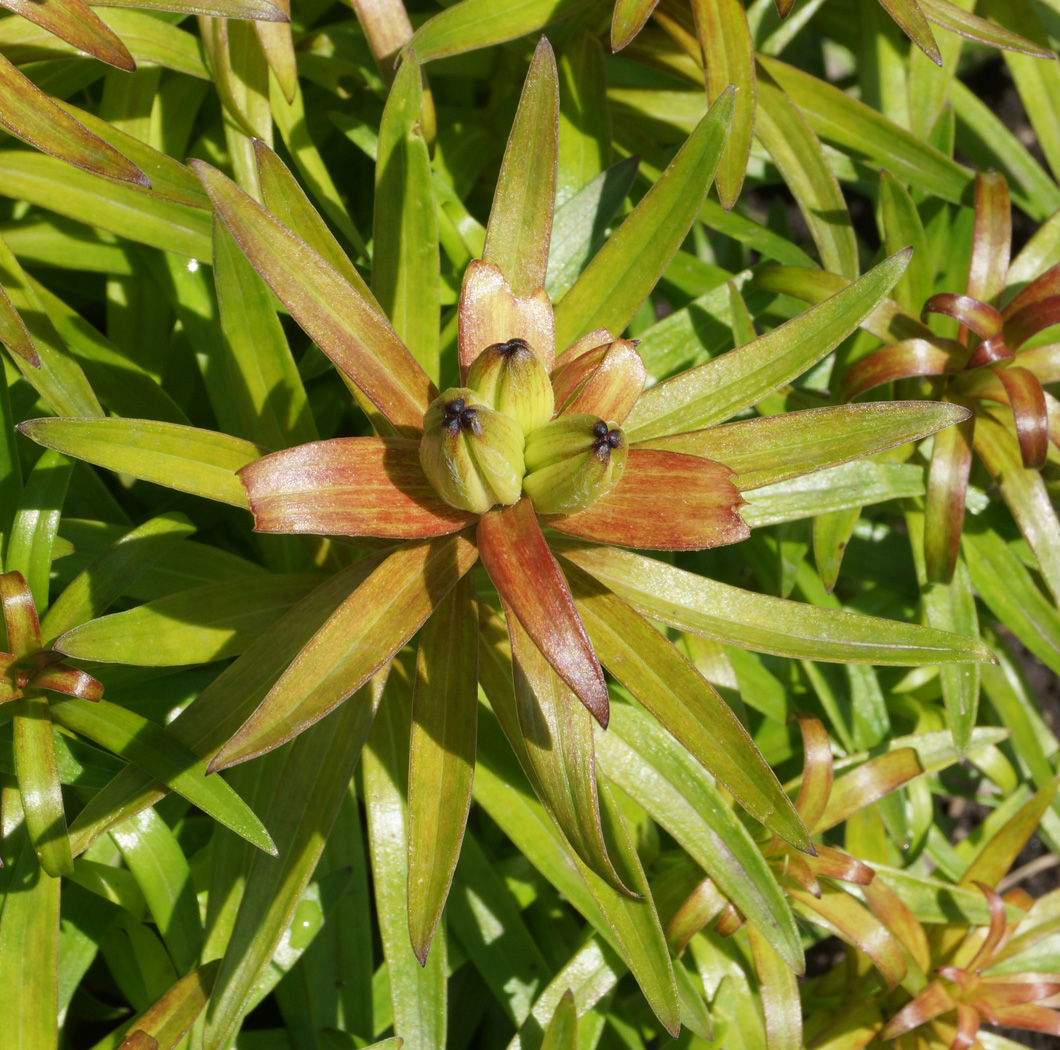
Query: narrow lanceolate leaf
[562,1031]
[157,752]
[729,58]
[907,359]
[628,20]
[625,270]
[520,223]
[525,573]
[334,315]
[76,23]
[902,228]
[780,995]
[557,733]
[472,24]
[652,767]
[867,783]
[93,590]
[956,19]
[168,1019]
[640,511]
[667,684]
[315,780]
[774,448]
[38,783]
[20,614]
[1030,414]
[359,637]
[269,402]
[13,331]
[349,487]
[908,15]
[405,257]
[387,27]
[29,941]
[947,488]
[758,621]
[255,10]
[991,237]
[417,992]
[201,462]
[797,153]
[441,757]
[723,386]
[32,116]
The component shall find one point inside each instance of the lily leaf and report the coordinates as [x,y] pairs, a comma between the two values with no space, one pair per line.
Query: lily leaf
[628,20]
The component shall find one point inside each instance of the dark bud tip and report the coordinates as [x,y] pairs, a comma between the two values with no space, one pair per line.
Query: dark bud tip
[511,346]
[614,438]
[600,429]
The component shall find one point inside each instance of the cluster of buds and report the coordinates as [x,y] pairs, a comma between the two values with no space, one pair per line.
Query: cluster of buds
[495,440]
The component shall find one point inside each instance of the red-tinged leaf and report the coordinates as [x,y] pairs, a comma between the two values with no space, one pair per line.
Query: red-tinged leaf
[32,116]
[165,1023]
[832,863]
[20,614]
[1027,400]
[796,867]
[872,780]
[387,28]
[1032,1018]
[441,757]
[999,854]
[902,360]
[911,19]
[991,237]
[898,917]
[816,783]
[491,313]
[729,921]
[139,1040]
[628,20]
[957,20]
[252,10]
[338,319]
[951,463]
[349,487]
[784,7]
[932,1002]
[357,639]
[1026,495]
[605,382]
[664,501]
[76,23]
[1044,287]
[13,331]
[557,734]
[995,932]
[1030,320]
[850,920]
[705,901]
[1015,989]
[990,351]
[779,989]
[522,568]
[967,1027]
[277,43]
[520,223]
[69,681]
[980,317]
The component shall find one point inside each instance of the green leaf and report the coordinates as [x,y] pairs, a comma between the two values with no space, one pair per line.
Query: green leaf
[584,118]
[858,129]
[311,787]
[122,208]
[669,686]
[441,757]
[901,228]
[831,534]
[201,462]
[472,24]
[405,257]
[763,623]
[653,768]
[252,9]
[729,58]
[562,1031]
[956,19]
[38,783]
[625,270]
[520,223]
[75,22]
[156,752]
[417,989]
[722,387]
[169,1018]
[771,449]
[780,995]
[628,20]
[29,940]
[910,18]
[192,626]
[382,614]
[333,314]
[13,331]
[797,153]
[29,547]
[106,579]
[270,401]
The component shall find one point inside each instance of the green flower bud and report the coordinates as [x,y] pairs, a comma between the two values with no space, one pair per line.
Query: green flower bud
[472,455]
[572,462]
[512,379]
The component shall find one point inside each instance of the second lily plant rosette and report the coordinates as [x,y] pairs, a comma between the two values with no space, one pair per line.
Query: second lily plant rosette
[545,461]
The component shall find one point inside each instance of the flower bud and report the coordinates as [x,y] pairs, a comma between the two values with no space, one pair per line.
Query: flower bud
[572,462]
[510,378]
[472,455]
